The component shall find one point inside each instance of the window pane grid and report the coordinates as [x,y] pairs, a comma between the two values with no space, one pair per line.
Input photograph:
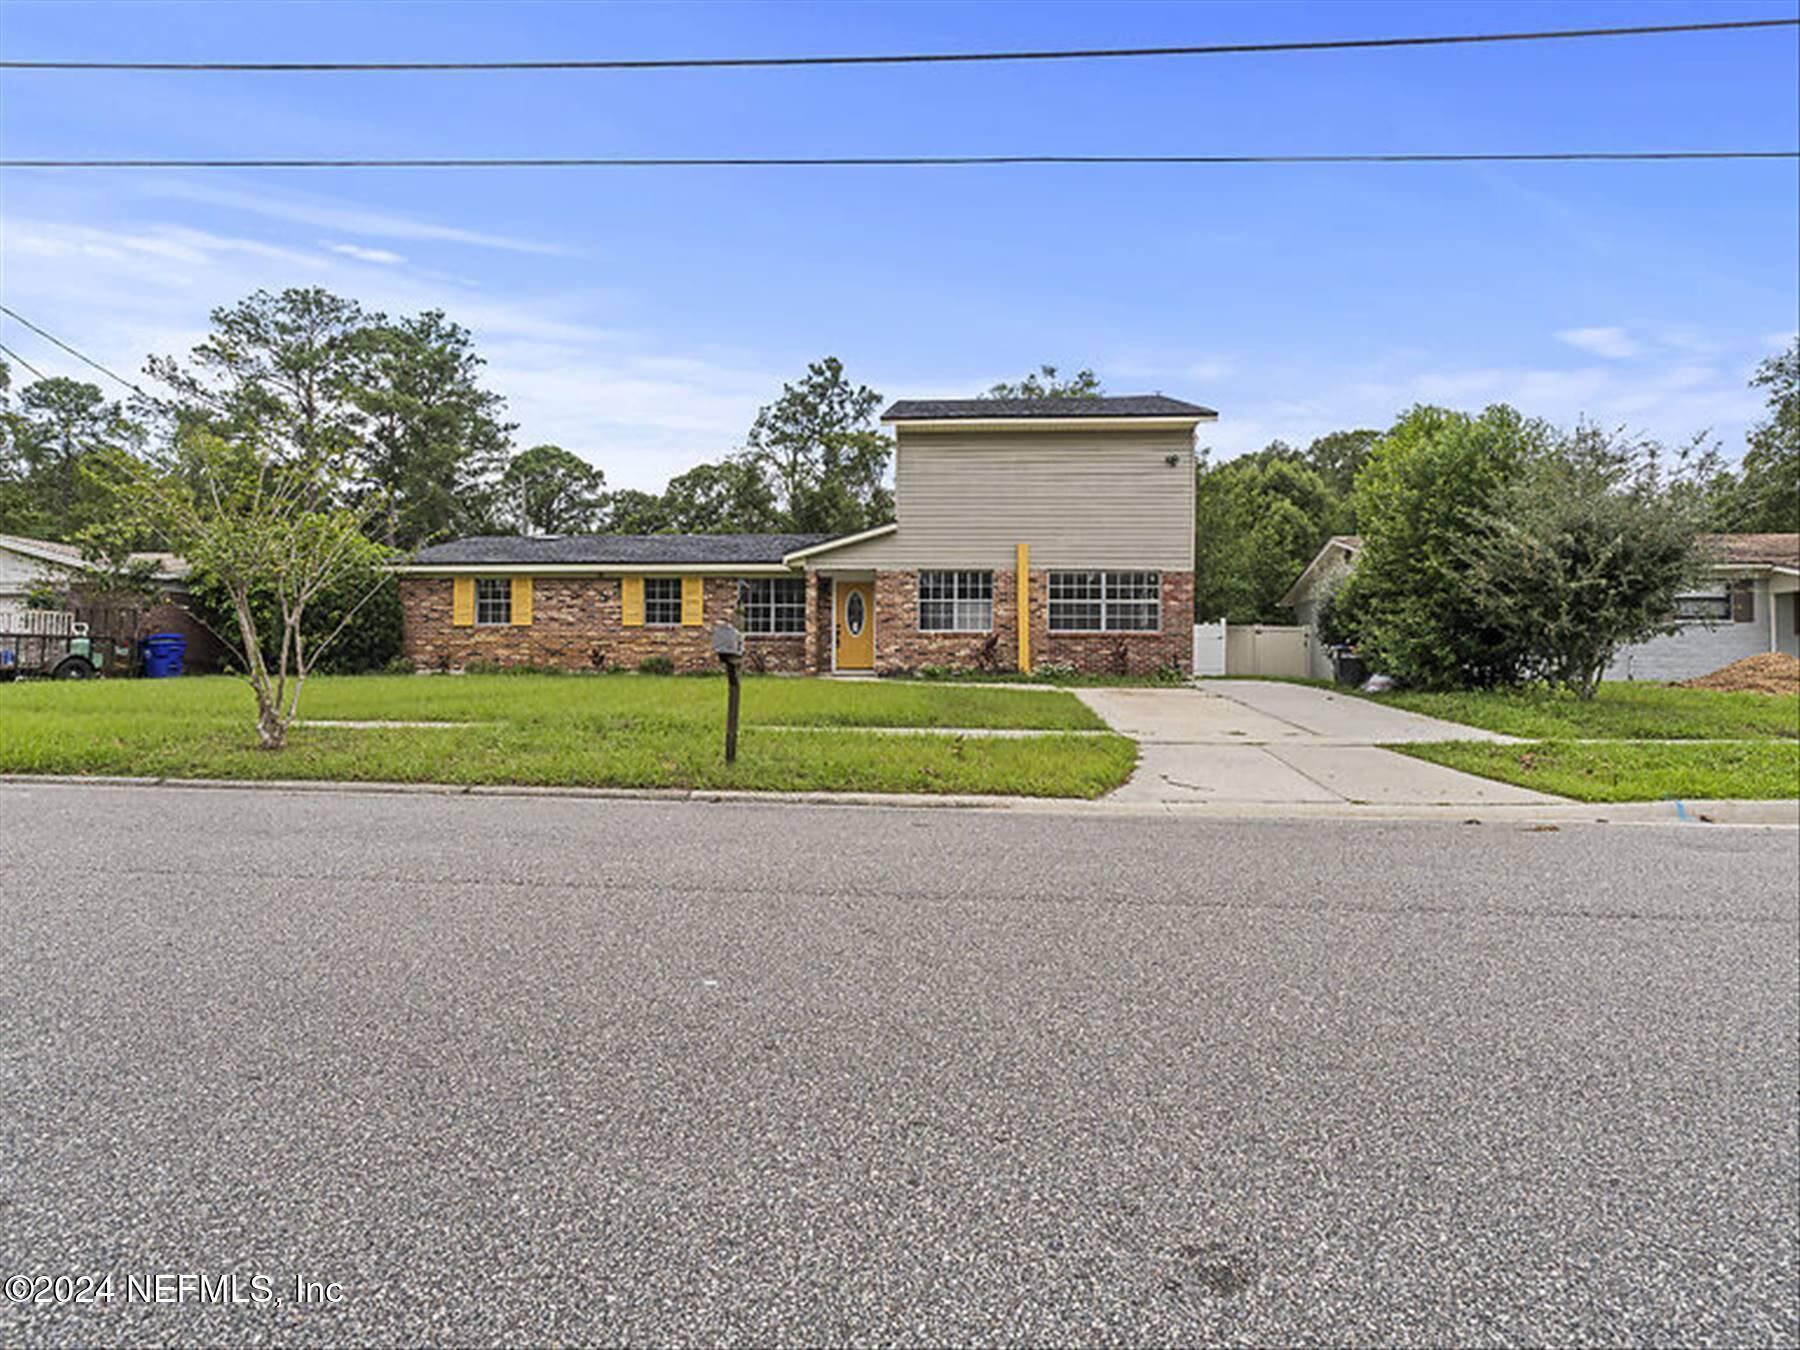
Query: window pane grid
[956,602]
[1714,606]
[662,602]
[772,605]
[1105,602]
[493,600]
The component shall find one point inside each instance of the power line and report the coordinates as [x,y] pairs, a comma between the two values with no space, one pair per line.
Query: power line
[79,356]
[897,161]
[910,58]
[22,361]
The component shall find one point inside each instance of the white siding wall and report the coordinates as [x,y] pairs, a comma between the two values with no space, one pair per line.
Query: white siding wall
[1701,648]
[17,572]
[1322,583]
[1079,498]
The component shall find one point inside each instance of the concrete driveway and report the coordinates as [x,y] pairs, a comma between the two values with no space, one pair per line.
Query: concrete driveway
[1256,742]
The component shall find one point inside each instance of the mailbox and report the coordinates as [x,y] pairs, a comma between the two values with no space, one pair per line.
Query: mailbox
[727,641]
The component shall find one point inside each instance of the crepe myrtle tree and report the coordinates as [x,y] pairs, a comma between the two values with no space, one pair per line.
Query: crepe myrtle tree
[258,524]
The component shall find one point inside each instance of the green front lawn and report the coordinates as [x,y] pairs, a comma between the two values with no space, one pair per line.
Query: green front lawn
[1738,745]
[1619,711]
[1626,771]
[594,731]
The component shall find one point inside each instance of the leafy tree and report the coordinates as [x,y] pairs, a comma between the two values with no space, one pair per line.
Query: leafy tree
[308,374]
[629,511]
[1046,383]
[1582,554]
[1768,490]
[733,496]
[1258,520]
[58,426]
[431,440]
[282,370]
[262,524]
[1430,483]
[823,454]
[1338,456]
[550,490]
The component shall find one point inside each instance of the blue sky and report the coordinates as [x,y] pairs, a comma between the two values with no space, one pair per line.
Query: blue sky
[640,317]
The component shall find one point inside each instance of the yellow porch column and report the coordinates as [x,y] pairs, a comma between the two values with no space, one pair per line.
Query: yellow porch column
[1022,601]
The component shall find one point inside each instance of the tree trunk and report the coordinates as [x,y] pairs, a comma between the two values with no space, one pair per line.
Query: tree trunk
[271,727]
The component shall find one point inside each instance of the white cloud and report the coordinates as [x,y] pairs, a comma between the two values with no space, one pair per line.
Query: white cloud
[1613,343]
[340,217]
[368,255]
[1670,402]
[637,408]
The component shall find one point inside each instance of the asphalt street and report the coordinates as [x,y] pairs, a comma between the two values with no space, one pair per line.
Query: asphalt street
[546,1070]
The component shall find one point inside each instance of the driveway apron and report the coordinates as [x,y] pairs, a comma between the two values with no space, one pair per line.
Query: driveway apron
[1260,742]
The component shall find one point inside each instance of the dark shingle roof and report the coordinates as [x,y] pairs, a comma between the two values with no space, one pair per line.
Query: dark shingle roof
[1134,405]
[642,550]
[1770,550]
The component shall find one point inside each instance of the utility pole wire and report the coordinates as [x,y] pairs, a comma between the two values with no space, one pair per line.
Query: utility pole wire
[79,356]
[22,361]
[897,161]
[909,58]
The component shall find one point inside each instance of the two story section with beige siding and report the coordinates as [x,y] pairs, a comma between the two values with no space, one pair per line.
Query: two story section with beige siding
[1026,532]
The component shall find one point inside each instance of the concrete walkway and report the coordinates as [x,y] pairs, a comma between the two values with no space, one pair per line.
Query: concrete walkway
[1245,742]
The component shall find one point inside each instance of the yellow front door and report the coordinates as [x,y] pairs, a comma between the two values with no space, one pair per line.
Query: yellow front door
[855,625]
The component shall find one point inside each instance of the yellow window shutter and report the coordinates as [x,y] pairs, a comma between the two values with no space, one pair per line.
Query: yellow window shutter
[521,602]
[631,601]
[693,601]
[462,602]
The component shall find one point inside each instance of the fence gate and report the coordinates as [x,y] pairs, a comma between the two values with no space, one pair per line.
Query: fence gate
[1268,649]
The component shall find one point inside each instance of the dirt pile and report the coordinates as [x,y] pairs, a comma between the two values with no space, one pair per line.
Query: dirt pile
[1770,673]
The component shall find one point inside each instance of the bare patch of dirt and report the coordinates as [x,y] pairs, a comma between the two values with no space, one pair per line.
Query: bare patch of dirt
[1769,673]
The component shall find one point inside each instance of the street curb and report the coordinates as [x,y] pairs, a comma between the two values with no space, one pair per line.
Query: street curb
[1784,814]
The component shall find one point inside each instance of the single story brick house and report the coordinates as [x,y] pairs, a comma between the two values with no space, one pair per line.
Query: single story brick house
[1745,606]
[1026,531]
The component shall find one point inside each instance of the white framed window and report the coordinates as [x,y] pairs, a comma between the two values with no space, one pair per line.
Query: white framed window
[772,604]
[956,602]
[662,602]
[1708,607]
[1105,602]
[493,600]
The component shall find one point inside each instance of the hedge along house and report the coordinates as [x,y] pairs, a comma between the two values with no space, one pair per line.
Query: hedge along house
[1026,531]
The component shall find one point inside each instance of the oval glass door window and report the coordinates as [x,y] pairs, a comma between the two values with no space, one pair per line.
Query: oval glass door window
[853,613]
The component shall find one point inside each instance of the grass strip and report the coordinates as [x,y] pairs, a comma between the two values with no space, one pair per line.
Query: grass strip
[1626,771]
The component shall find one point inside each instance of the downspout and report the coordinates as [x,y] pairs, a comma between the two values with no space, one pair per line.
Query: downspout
[1022,603]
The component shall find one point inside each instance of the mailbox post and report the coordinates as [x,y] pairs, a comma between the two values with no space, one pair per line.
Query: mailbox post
[728,646]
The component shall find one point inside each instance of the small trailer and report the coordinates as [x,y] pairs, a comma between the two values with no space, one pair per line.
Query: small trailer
[47,642]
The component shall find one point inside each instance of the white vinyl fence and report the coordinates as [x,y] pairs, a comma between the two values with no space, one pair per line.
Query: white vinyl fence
[1252,649]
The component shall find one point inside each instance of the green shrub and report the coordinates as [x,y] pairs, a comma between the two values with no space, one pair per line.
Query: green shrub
[656,665]
[368,642]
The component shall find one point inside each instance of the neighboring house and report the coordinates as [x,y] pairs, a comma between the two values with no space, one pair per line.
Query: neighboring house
[1330,565]
[28,564]
[1085,508]
[1745,607]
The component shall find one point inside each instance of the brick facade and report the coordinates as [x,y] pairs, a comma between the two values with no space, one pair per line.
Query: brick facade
[901,647]
[576,625]
[1119,653]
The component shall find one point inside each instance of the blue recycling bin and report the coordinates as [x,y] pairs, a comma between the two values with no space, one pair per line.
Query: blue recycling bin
[164,655]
